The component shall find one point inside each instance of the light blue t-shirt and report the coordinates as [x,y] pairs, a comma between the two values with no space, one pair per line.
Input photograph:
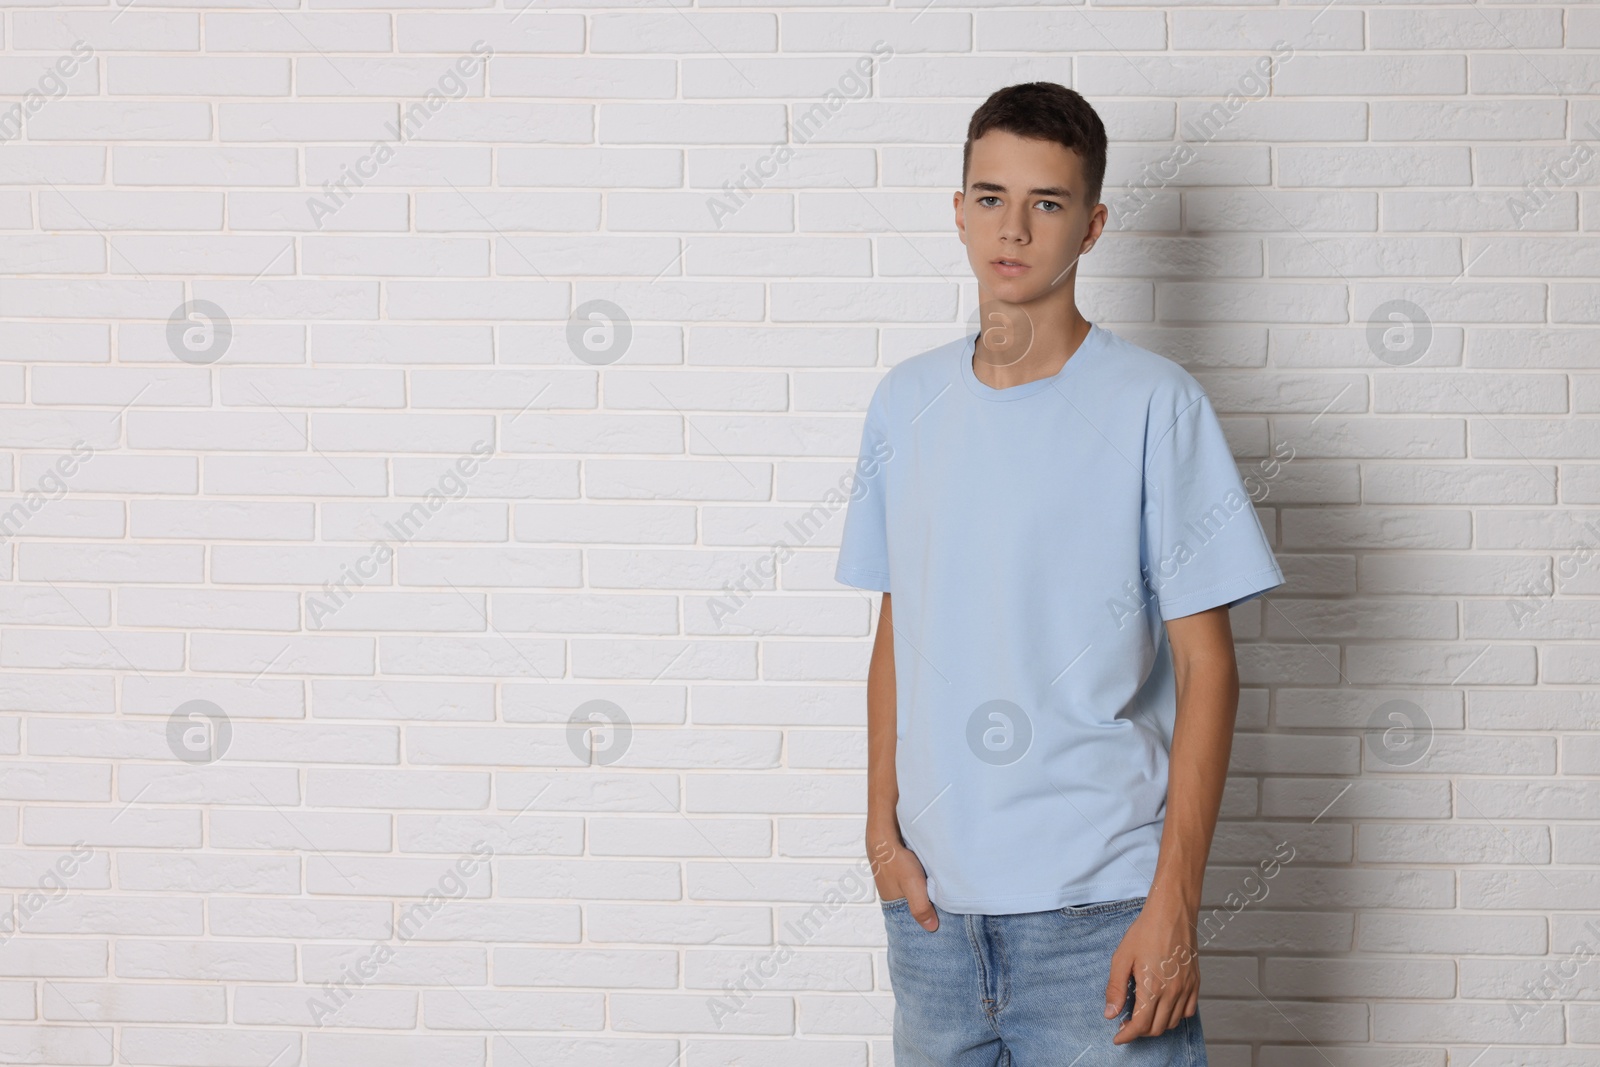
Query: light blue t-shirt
[1035,539]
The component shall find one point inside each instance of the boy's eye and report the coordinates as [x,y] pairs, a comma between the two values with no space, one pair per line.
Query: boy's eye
[1051,204]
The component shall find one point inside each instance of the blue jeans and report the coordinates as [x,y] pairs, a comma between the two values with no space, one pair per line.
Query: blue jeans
[1023,990]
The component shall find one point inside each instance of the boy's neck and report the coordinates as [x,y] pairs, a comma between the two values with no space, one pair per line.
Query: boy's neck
[1045,349]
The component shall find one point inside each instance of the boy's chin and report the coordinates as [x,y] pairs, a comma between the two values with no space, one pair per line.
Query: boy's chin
[1012,295]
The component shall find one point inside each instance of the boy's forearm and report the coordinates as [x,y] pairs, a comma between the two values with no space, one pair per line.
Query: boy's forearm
[883,791]
[1197,769]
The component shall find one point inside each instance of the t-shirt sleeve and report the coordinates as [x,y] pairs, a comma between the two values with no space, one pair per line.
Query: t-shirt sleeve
[1203,543]
[864,545]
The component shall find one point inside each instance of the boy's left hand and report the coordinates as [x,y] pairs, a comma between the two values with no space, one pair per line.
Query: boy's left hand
[1159,951]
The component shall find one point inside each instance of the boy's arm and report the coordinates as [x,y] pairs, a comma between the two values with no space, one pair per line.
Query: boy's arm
[883,792]
[1207,677]
[1160,951]
[895,868]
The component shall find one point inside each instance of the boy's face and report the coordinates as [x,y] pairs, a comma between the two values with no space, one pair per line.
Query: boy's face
[1025,201]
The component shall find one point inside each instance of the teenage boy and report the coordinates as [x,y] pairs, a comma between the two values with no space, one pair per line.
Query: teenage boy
[1062,529]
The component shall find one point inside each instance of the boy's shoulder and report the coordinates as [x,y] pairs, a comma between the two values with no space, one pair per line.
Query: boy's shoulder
[1164,385]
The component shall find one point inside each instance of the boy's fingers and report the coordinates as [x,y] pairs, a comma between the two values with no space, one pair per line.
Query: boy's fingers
[1164,1013]
[1131,1027]
[1156,1011]
[922,908]
[1157,1005]
[1180,1008]
[1146,1004]
[1117,983]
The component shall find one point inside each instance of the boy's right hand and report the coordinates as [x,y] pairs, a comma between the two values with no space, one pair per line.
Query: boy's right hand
[898,873]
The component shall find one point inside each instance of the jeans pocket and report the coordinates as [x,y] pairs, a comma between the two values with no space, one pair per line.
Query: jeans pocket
[1102,907]
[897,902]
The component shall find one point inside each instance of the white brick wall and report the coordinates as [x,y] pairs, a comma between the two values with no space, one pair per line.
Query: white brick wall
[212,534]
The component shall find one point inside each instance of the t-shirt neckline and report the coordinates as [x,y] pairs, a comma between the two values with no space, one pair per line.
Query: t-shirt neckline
[1090,342]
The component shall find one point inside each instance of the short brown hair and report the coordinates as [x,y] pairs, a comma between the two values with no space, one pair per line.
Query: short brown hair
[1044,111]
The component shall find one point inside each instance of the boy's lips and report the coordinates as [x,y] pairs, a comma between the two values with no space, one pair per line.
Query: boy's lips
[1010,268]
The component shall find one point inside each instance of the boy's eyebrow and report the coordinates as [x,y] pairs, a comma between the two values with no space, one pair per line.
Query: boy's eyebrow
[996,187]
